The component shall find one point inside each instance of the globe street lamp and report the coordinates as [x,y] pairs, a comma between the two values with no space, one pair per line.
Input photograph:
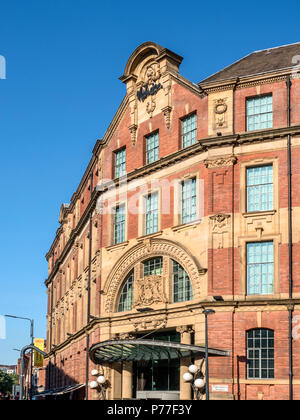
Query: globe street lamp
[195,377]
[100,384]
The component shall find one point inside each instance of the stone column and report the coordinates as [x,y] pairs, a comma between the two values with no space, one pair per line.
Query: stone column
[127,380]
[116,382]
[185,387]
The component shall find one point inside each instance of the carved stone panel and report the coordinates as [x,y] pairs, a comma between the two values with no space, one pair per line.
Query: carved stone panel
[220,230]
[149,291]
[220,112]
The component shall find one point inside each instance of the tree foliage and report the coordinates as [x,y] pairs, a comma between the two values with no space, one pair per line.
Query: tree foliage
[7,382]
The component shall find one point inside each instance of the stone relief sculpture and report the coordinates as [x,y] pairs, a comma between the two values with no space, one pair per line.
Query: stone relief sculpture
[150,290]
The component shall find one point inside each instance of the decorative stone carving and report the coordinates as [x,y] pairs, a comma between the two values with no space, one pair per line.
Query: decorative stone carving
[167,114]
[219,221]
[124,336]
[220,109]
[149,291]
[151,107]
[159,247]
[79,287]
[150,323]
[148,245]
[220,162]
[220,230]
[66,299]
[72,296]
[96,266]
[184,329]
[133,131]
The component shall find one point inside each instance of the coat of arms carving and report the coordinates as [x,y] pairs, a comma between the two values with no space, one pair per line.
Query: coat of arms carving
[149,291]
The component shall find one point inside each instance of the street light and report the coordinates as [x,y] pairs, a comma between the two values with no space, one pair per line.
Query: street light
[195,377]
[100,384]
[32,340]
[207,312]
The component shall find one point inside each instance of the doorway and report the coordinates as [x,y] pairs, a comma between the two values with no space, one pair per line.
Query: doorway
[155,378]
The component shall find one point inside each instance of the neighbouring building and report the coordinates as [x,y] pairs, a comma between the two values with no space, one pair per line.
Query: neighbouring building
[9,369]
[203,213]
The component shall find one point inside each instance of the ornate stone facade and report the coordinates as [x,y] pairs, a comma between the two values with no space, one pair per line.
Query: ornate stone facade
[87,270]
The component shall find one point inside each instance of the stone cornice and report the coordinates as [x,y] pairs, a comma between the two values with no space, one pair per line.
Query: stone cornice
[234,304]
[200,146]
[246,81]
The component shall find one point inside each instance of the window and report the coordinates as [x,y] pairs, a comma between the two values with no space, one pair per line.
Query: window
[260,268]
[182,288]
[152,148]
[188,201]
[153,267]
[189,130]
[120,163]
[151,217]
[260,188]
[119,224]
[259,113]
[126,296]
[260,354]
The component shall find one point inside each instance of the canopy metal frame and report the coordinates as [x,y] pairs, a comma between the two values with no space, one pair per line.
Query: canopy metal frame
[139,349]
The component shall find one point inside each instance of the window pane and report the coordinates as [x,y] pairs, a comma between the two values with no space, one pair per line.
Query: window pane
[259,113]
[260,354]
[151,216]
[182,288]
[119,225]
[152,148]
[260,188]
[189,130]
[126,296]
[120,163]
[189,201]
[153,267]
[260,268]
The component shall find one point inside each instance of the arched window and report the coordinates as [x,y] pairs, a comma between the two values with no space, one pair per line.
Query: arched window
[126,296]
[153,267]
[260,354]
[182,287]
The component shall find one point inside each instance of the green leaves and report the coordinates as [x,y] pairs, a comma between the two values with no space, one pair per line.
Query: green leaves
[7,382]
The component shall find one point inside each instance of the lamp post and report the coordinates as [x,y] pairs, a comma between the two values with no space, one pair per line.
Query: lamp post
[32,339]
[207,312]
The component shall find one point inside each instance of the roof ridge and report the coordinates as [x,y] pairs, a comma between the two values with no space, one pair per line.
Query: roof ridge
[274,48]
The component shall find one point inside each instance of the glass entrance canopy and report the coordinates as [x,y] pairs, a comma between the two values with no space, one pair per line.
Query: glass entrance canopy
[138,350]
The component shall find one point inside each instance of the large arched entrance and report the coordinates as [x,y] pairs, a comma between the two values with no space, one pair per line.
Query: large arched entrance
[147,297]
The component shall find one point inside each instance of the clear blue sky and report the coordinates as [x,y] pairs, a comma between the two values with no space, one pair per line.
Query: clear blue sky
[64,58]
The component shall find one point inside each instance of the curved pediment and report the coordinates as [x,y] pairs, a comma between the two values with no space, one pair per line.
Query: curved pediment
[148,51]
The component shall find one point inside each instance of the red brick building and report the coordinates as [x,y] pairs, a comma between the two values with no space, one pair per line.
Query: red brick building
[190,201]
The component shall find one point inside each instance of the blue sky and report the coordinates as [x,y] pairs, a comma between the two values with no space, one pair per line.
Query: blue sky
[64,58]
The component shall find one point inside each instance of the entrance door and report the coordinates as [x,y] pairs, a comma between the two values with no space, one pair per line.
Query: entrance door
[158,379]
